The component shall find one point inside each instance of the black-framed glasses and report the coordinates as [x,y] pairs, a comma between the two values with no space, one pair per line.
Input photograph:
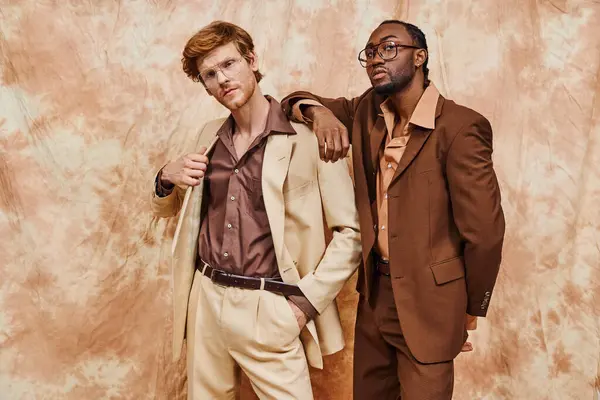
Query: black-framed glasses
[387,50]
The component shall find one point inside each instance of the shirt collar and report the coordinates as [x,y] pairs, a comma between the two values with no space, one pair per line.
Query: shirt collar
[277,122]
[424,113]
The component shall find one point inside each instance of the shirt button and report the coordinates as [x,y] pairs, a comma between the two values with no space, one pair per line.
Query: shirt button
[385,195]
[383,227]
[375,227]
[229,226]
[236,170]
[232,198]
[225,254]
[390,165]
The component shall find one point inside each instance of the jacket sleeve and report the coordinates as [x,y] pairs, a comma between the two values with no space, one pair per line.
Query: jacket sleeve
[343,254]
[166,206]
[475,196]
[343,109]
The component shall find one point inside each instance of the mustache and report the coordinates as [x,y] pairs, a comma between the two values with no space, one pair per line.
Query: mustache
[378,70]
[225,89]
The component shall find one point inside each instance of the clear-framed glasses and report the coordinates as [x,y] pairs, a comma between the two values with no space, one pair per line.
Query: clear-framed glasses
[229,67]
[387,50]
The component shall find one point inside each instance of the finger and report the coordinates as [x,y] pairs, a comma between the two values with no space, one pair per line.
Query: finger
[321,140]
[195,157]
[201,165]
[467,346]
[345,142]
[202,150]
[194,173]
[187,180]
[337,147]
[329,143]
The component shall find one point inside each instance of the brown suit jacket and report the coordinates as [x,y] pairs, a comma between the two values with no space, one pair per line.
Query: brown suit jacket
[446,225]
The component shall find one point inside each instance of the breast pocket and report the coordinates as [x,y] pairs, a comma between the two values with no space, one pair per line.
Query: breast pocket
[434,169]
[298,191]
[256,202]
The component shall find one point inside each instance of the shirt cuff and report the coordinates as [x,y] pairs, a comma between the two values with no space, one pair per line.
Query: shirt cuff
[159,187]
[303,304]
[471,323]
[297,109]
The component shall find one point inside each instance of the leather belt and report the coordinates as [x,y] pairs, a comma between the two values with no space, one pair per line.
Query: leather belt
[381,266]
[246,282]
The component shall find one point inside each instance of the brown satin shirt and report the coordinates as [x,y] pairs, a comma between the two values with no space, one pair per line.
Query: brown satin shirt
[235,235]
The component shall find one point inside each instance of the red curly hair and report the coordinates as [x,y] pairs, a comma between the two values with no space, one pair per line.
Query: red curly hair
[215,34]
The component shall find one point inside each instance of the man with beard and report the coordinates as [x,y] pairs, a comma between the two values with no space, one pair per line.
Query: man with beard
[430,213]
[253,278]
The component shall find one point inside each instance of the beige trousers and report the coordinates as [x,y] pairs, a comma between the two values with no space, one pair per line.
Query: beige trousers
[231,329]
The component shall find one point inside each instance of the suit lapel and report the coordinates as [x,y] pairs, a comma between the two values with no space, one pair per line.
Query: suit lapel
[188,225]
[274,171]
[418,137]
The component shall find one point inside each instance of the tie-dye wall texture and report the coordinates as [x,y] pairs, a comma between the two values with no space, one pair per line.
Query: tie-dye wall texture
[93,101]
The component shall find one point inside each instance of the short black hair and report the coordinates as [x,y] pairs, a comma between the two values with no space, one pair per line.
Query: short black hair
[418,38]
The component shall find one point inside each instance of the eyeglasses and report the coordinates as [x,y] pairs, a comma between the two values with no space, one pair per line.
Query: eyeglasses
[230,68]
[386,50]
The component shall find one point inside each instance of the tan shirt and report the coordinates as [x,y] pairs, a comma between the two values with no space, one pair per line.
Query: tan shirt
[389,158]
[390,155]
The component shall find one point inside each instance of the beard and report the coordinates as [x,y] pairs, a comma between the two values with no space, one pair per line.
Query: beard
[397,83]
[240,97]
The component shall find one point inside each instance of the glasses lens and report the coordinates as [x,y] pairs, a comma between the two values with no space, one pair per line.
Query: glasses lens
[366,55]
[387,50]
[208,75]
[229,68]
[362,58]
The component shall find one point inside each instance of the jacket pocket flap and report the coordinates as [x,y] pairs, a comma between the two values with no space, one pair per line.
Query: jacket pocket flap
[298,191]
[447,271]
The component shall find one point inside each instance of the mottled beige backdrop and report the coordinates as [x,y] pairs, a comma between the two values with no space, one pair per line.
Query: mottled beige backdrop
[93,101]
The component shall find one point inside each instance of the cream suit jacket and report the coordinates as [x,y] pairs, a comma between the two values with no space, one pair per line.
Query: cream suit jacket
[300,192]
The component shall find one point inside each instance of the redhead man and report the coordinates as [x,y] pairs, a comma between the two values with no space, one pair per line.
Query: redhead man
[252,273]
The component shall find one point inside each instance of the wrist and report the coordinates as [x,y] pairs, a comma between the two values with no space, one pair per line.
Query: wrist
[309,111]
[164,181]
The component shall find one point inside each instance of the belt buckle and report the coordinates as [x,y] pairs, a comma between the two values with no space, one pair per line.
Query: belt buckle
[215,274]
[212,274]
